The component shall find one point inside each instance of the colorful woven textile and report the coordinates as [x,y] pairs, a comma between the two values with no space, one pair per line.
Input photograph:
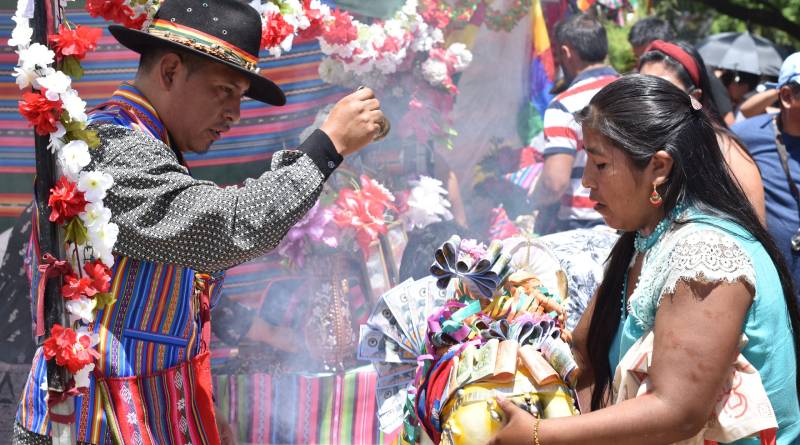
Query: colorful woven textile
[244,152]
[297,409]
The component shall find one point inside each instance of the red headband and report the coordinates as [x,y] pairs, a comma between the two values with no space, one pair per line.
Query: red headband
[678,53]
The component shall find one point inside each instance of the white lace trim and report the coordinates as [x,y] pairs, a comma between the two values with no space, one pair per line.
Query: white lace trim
[699,254]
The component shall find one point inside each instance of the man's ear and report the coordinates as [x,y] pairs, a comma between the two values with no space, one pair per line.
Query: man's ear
[786,96]
[168,68]
[566,52]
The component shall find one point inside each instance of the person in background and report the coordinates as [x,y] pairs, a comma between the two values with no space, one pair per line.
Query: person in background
[580,49]
[774,142]
[741,86]
[680,64]
[649,29]
[759,103]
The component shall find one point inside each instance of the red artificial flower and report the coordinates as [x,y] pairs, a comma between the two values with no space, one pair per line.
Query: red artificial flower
[66,201]
[366,216]
[316,22]
[60,339]
[134,22]
[374,191]
[275,30]
[100,275]
[82,354]
[340,31]
[68,349]
[75,42]
[76,287]
[390,45]
[116,11]
[40,112]
[435,13]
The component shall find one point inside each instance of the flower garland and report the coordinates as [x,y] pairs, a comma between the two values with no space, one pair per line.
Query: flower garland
[129,13]
[283,20]
[410,49]
[54,108]
[506,21]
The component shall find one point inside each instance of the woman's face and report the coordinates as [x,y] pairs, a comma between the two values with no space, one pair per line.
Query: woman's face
[620,190]
[660,69]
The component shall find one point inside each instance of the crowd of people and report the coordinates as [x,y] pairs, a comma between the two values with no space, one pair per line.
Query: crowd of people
[695,172]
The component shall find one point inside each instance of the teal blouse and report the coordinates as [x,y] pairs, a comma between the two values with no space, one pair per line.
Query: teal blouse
[708,248]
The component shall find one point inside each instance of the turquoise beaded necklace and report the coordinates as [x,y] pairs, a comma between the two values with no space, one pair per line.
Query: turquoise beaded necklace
[644,243]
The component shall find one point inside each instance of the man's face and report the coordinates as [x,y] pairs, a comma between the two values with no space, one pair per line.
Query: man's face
[203,105]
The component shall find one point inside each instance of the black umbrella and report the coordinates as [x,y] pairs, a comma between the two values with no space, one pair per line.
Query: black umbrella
[741,51]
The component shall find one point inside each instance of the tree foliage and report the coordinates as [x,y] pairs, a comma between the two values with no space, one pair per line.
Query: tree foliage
[777,20]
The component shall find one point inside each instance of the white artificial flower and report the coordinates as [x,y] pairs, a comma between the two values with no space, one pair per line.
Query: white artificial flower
[409,8]
[261,8]
[56,83]
[22,33]
[462,56]
[24,76]
[81,309]
[437,36]
[94,184]
[73,157]
[74,105]
[82,377]
[95,215]
[102,238]
[427,203]
[36,56]
[57,138]
[435,71]
[94,337]
[324,9]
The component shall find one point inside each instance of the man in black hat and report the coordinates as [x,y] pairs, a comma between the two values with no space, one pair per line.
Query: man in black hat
[177,234]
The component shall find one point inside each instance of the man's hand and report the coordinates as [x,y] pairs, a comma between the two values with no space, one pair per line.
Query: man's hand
[518,429]
[354,121]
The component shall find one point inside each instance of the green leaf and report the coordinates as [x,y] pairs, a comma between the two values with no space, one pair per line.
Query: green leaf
[76,232]
[104,299]
[91,138]
[71,66]
[77,130]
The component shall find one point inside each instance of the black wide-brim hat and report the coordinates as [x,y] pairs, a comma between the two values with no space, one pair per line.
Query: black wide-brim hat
[224,31]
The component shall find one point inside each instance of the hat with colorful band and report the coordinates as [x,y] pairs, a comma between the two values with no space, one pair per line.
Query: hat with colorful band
[224,31]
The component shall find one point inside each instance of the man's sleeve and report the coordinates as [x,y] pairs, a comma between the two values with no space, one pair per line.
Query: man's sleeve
[166,215]
[560,131]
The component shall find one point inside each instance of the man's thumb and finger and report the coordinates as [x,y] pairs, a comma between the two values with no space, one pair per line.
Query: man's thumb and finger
[355,121]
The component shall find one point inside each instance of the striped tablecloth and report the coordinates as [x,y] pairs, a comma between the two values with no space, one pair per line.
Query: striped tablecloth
[302,409]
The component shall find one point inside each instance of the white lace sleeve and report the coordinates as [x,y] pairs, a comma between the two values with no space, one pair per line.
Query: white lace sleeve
[690,254]
[708,256]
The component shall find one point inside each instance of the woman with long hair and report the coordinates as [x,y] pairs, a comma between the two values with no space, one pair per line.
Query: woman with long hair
[694,269]
[680,64]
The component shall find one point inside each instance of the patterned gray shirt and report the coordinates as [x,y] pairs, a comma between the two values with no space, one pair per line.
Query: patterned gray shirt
[165,215]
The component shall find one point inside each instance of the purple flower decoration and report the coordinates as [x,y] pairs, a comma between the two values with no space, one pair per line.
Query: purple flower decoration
[313,228]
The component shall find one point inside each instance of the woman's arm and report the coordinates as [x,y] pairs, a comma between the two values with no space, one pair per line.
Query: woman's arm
[697,331]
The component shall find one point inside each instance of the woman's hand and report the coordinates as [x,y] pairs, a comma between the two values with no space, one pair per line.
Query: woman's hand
[518,429]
